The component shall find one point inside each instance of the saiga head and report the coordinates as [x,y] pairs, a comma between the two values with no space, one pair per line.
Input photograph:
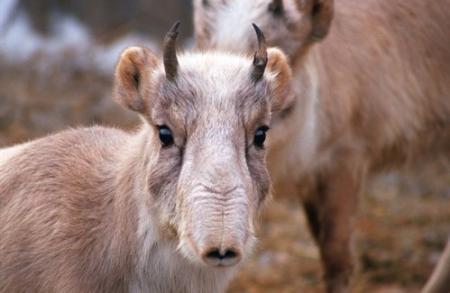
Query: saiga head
[207,115]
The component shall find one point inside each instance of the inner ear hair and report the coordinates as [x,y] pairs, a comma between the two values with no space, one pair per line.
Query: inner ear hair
[132,78]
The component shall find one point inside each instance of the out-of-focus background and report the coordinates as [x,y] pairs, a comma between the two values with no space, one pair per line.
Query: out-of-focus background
[56,64]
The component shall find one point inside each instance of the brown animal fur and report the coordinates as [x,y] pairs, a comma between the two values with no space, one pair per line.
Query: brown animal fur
[373,94]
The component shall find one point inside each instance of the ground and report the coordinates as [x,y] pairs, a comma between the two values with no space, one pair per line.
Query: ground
[403,220]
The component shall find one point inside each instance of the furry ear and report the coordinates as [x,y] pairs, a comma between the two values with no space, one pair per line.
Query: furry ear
[278,65]
[132,78]
[321,13]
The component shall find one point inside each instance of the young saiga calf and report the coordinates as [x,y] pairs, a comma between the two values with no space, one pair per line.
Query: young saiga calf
[169,208]
[372,91]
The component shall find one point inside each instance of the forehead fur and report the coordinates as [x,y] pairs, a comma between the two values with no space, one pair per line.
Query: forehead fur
[215,79]
[214,74]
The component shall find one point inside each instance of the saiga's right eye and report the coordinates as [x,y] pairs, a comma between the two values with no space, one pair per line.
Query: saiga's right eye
[165,136]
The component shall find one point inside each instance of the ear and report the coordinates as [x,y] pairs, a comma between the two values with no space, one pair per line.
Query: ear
[278,65]
[132,78]
[321,13]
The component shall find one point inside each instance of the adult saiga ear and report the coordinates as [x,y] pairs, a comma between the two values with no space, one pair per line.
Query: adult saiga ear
[132,78]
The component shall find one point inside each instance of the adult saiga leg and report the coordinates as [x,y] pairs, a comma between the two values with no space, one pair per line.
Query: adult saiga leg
[330,212]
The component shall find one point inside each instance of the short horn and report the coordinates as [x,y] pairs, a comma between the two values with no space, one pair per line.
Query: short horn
[260,58]
[170,52]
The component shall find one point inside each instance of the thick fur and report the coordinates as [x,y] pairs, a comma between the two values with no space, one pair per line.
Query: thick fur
[102,210]
[374,93]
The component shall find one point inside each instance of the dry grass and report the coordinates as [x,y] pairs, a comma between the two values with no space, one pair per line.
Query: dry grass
[401,228]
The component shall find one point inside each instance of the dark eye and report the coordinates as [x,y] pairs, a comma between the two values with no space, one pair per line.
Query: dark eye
[165,135]
[260,136]
[276,7]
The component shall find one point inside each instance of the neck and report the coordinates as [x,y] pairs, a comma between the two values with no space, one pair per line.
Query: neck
[123,227]
[301,120]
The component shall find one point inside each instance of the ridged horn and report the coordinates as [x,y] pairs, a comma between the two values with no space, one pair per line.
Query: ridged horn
[170,52]
[260,58]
